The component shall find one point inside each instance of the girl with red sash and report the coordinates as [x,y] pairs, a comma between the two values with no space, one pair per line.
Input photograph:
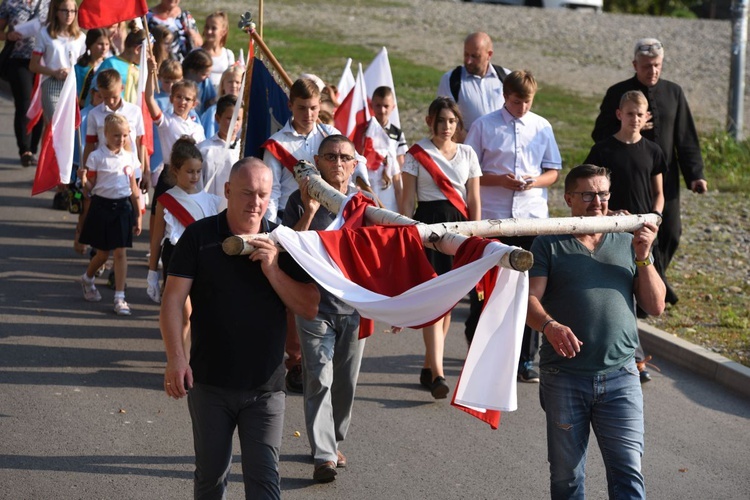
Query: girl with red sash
[442,178]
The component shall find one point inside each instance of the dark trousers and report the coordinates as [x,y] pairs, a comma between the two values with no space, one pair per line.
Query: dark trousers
[259,419]
[21,82]
[530,343]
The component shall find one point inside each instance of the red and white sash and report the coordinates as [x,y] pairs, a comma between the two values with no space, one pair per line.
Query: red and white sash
[430,161]
[280,153]
[180,204]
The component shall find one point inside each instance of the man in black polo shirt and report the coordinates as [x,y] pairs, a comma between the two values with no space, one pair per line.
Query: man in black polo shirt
[235,376]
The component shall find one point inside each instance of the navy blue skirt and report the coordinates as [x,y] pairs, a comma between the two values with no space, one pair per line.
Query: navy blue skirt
[109,224]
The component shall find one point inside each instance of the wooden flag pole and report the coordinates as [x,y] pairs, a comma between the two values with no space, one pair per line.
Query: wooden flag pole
[248,25]
[260,18]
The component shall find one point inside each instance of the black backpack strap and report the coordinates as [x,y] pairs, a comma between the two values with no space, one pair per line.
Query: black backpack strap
[501,73]
[455,82]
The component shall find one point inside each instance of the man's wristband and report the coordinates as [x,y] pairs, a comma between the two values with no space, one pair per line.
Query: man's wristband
[647,262]
[545,325]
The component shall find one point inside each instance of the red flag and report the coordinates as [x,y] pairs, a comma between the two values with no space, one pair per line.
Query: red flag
[355,108]
[56,157]
[101,13]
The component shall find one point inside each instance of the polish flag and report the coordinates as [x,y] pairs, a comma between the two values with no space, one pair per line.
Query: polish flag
[103,13]
[346,83]
[34,113]
[355,108]
[148,122]
[351,267]
[372,142]
[56,157]
[378,74]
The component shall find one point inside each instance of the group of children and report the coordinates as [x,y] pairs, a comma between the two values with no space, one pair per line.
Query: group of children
[193,99]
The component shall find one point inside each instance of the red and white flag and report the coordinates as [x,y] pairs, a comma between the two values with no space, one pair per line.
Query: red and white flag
[488,381]
[148,122]
[34,113]
[346,83]
[104,13]
[56,157]
[373,143]
[378,74]
[355,108]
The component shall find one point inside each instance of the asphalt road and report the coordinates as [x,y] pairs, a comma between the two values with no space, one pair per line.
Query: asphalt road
[83,414]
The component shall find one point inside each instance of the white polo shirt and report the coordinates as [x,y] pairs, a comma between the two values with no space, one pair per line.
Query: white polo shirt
[171,127]
[60,52]
[95,122]
[479,95]
[113,172]
[520,146]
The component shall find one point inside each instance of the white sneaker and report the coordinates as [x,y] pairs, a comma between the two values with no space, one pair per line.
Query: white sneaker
[90,292]
[122,308]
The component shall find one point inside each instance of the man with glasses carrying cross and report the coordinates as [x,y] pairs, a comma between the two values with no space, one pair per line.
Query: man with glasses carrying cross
[670,126]
[582,292]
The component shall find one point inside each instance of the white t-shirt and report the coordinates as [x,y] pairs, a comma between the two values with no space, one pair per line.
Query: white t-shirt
[95,125]
[172,127]
[113,172]
[222,62]
[459,169]
[217,163]
[60,52]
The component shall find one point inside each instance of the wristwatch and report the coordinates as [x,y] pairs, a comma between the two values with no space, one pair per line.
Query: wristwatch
[644,263]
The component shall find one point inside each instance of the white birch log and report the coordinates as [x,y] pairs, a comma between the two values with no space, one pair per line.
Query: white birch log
[437,238]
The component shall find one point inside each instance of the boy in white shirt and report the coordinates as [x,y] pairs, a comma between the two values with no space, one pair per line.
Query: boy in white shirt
[520,159]
[217,158]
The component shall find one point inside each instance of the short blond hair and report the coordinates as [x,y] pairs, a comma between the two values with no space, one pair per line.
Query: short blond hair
[634,96]
[114,120]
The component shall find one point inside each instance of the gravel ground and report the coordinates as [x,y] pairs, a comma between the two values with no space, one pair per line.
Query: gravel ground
[584,52]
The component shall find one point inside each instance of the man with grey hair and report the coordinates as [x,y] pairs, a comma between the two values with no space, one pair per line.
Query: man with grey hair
[671,126]
[477,86]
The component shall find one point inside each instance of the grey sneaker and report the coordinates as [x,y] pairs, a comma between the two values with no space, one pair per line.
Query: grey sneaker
[122,308]
[90,292]
[528,374]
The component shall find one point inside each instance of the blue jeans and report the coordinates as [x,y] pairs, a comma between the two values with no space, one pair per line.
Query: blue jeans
[611,404]
[331,357]
[259,418]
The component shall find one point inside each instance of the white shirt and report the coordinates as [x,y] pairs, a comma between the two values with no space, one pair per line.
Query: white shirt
[222,62]
[478,96]
[302,147]
[113,172]
[95,125]
[520,146]
[217,164]
[172,127]
[459,169]
[173,228]
[60,52]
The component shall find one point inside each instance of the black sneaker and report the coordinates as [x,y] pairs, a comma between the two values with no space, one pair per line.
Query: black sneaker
[528,374]
[439,388]
[294,379]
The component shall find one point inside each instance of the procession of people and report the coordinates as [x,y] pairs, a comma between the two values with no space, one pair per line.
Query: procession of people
[240,331]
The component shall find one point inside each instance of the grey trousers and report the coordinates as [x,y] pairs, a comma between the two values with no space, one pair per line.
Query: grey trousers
[331,357]
[259,419]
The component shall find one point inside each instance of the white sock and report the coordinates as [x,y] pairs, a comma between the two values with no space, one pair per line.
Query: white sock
[87,279]
[119,296]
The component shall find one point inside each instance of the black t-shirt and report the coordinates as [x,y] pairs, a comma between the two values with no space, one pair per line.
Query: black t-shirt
[238,324]
[632,167]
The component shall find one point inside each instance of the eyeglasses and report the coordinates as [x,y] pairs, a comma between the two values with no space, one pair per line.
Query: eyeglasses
[650,48]
[67,12]
[333,157]
[588,196]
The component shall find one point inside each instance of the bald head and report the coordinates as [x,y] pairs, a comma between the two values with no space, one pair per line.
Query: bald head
[477,53]
[248,192]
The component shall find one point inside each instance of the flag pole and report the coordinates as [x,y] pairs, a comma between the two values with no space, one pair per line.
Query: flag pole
[248,77]
[150,52]
[260,17]
[247,25]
